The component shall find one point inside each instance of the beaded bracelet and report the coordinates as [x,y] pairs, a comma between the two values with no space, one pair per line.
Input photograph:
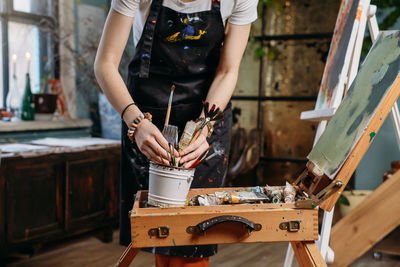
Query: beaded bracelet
[135,123]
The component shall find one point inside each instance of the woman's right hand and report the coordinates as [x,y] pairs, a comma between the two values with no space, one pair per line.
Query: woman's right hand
[152,143]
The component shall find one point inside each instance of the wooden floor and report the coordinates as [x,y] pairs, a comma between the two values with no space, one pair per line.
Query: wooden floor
[90,251]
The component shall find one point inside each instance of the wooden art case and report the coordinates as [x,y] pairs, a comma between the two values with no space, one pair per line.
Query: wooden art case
[233,223]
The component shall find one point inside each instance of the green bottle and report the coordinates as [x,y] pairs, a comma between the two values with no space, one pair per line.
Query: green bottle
[27,107]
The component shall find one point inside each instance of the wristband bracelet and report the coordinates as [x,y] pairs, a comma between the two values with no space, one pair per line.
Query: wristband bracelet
[135,124]
[127,106]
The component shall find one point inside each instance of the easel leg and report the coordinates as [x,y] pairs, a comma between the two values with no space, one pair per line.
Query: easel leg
[128,256]
[307,254]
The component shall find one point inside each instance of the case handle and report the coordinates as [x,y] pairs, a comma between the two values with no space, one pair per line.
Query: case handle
[207,224]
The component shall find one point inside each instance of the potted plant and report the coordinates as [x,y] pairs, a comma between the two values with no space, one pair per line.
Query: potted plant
[350,199]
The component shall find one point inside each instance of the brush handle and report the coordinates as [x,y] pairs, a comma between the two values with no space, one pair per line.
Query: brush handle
[195,136]
[167,116]
[169,105]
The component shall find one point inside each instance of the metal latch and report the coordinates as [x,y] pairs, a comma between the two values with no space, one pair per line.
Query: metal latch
[160,232]
[290,226]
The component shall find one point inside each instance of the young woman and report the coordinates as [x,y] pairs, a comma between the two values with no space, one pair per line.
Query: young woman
[196,45]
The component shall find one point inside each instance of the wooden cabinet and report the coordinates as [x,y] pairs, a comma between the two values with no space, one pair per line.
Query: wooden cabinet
[48,197]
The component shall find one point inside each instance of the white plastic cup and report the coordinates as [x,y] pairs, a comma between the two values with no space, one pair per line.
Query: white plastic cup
[168,186]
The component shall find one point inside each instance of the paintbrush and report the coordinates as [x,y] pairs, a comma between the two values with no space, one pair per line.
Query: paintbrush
[218,151]
[199,159]
[170,132]
[211,114]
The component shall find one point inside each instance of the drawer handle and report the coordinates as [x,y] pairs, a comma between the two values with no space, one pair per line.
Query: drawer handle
[207,224]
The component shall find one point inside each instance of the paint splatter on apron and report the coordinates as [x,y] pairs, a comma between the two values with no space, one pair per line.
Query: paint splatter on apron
[181,49]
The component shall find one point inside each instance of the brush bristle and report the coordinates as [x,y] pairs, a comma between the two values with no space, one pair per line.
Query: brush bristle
[170,133]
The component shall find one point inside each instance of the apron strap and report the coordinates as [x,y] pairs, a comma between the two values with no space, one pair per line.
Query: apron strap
[148,34]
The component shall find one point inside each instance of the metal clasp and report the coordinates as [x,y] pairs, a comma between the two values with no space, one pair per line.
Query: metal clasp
[160,232]
[290,226]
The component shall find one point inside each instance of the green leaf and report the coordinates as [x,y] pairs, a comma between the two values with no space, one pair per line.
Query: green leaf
[343,200]
[259,52]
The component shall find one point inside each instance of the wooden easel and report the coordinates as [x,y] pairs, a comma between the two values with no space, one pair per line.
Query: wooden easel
[323,115]
[377,215]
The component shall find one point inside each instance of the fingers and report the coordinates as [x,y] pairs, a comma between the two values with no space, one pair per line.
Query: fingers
[163,143]
[193,152]
[189,164]
[201,140]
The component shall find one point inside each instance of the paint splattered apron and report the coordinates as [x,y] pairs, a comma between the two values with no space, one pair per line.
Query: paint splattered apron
[181,49]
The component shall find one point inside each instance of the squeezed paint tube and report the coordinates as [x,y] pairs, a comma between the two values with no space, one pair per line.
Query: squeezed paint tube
[275,193]
[289,193]
[207,200]
[236,197]
[227,197]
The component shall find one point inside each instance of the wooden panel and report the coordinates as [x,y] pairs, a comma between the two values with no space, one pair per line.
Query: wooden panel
[297,17]
[39,211]
[248,113]
[177,222]
[372,91]
[285,135]
[86,187]
[35,196]
[294,67]
[368,223]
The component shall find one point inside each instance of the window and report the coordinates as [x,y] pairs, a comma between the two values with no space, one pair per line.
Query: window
[26,26]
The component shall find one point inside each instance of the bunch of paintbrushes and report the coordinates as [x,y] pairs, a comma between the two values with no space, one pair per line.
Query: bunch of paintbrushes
[170,132]
[212,114]
[193,129]
[191,133]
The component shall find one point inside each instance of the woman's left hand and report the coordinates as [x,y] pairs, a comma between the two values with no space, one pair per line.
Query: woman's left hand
[191,153]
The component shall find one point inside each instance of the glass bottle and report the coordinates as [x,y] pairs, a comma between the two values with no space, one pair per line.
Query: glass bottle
[27,108]
[13,100]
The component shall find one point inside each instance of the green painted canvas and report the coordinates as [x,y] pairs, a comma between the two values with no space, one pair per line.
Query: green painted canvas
[372,83]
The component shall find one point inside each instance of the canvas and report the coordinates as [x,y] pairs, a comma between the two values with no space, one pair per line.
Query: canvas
[374,80]
[339,53]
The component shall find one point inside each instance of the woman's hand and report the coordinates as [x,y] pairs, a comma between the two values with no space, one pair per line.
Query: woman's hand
[191,153]
[152,143]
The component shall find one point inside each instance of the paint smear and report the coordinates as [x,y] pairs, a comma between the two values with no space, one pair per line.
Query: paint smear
[371,136]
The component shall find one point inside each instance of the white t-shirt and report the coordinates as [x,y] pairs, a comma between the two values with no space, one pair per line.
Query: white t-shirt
[238,12]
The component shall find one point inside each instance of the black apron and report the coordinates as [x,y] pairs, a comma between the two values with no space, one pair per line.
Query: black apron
[184,50]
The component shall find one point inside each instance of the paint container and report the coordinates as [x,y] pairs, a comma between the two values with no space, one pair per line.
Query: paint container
[168,186]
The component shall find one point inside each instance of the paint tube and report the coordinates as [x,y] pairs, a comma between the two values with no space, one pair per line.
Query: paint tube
[207,200]
[289,193]
[236,197]
[274,193]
